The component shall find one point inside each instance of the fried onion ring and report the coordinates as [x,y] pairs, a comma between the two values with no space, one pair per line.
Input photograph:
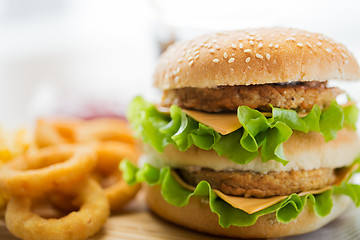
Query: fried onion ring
[50,168]
[55,131]
[93,213]
[50,132]
[104,129]
[110,154]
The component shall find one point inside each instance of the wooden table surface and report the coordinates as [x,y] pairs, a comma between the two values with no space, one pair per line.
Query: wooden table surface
[136,222]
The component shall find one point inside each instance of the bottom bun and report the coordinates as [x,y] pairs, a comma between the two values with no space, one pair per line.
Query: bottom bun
[198,216]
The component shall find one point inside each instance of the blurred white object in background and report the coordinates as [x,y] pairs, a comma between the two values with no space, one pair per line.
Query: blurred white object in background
[61,54]
[65,52]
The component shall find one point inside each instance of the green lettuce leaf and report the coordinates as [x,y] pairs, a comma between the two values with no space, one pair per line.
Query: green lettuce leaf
[351,114]
[351,190]
[286,210]
[258,136]
[331,121]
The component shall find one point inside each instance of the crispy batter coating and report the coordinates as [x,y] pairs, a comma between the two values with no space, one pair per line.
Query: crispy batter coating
[297,96]
[251,184]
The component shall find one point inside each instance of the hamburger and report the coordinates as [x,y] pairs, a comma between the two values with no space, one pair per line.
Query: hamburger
[249,140]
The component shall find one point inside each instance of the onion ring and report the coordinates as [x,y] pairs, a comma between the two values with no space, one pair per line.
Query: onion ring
[50,168]
[104,129]
[107,173]
[52,132]
[109,155]
[93,213]
[119,193]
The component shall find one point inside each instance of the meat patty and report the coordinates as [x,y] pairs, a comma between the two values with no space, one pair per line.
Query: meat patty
[251,184]
[299,96]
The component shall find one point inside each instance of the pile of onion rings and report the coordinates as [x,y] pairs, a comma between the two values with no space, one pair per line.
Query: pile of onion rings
[71,167]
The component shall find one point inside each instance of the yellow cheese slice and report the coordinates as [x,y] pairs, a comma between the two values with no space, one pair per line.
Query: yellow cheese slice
[253,205]
[223,123]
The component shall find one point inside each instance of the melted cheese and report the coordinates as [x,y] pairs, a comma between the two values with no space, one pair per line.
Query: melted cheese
[223,123]
[253,205]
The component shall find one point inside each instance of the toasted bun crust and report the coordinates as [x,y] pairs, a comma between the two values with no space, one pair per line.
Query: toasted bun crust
[305,151]
[197,216]
[254,56]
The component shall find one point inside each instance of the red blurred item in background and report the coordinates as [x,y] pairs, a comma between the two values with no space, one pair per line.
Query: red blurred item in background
[88,110]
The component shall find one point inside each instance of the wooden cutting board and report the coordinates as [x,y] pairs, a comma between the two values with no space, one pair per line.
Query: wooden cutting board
[136,222]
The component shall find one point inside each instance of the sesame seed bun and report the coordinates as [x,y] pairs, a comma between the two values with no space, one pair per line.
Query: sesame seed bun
[198,216]
[254,56]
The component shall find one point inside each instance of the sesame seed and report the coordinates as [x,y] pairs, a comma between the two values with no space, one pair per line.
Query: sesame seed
[233,45]
[259,39]
[180,60]
[319,43]
[247,50]
[260,45]
[217,47]
[231,60]
[196,57]
[347,61]
[189,58]
[277,46]
[191,62]
[328,50]
[177,70]
[215,60]
[251,42]
[214,40]
[308,44]
[176,79]
[270,45]
[207,45]
[250,37]
[343,54]
[241,45]
[247,59]
[321,38]
[201,44]
[267,56]
[308,35]
[300,45]
[290,39]
[211,50]
[259,56]
[225,55]
[197,52]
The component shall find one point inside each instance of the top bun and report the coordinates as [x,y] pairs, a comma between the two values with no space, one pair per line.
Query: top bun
[254,56]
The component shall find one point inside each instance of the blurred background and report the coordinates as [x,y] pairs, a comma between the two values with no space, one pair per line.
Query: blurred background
[90,57]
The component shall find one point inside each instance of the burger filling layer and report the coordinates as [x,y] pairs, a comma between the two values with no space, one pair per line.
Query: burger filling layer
[252,184]
[298,96]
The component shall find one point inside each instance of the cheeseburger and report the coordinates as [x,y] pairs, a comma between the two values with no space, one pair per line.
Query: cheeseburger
[249,140]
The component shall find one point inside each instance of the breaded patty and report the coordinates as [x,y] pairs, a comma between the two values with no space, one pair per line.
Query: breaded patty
[297,96]
[251,184]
